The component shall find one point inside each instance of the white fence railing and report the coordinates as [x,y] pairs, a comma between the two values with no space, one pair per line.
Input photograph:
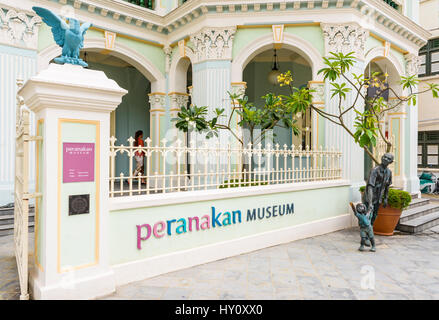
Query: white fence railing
[177,168]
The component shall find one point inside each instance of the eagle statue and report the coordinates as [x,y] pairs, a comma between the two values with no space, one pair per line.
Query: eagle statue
[69,36]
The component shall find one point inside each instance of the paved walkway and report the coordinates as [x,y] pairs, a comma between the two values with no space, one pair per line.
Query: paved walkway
[325,267]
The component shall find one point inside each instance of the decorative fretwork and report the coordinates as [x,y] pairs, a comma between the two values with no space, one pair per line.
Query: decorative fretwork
[345,38]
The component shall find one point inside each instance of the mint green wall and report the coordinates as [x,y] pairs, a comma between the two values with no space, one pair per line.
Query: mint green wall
[133,113]
[243,37]
[256,73]
[154,54]
[123,230]
[78,232]
[372,43]
[312,34]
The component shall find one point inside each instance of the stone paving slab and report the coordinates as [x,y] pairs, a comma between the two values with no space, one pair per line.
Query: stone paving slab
[325,267]
[9,283]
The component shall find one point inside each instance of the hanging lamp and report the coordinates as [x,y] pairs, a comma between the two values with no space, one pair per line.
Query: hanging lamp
[275,72]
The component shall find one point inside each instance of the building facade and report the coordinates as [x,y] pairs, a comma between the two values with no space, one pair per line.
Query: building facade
[428,148]
[169,53]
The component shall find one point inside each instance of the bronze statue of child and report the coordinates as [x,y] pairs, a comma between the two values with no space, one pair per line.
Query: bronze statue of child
[364,221]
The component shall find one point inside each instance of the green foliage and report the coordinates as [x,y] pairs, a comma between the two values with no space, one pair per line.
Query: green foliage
[399,199]
[336,65]
[339,90]
[192,117]
[280,111]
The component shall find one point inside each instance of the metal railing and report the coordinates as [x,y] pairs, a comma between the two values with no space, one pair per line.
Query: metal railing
[178,168]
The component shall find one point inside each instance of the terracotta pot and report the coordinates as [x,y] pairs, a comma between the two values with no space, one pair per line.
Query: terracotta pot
[386,221]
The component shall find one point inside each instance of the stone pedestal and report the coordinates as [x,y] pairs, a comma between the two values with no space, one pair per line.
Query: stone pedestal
[72,106]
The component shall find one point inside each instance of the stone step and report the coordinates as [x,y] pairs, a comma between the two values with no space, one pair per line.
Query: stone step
[420,224]
[6,211]
[414,196]
[6,230]
[419,211]
[9,219]
[10,211]
[418,203]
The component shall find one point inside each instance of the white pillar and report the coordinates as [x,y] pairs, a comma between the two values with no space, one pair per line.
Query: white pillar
[175,136]
[73,104]
[345,38]
[212,70]
[411,139]
[157,109]
[318,122]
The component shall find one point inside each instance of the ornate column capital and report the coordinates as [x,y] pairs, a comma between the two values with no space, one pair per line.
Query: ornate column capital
[19,29]
[178,100]
[345,38]
[239,88]
[413,63]
[213,43]
[157,102]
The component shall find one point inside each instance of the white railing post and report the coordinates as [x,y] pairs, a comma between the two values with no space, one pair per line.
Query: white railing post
[75,104]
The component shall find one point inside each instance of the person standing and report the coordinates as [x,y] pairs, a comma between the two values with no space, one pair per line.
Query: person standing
[139,155]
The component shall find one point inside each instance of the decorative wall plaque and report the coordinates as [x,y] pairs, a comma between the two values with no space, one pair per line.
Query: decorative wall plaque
[79,204]
[78,162]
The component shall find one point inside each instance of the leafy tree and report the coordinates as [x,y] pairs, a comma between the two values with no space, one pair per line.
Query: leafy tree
[366,129]
[274,113]
[280,110]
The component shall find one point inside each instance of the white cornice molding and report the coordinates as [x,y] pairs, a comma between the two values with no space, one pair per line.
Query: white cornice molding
[136,19]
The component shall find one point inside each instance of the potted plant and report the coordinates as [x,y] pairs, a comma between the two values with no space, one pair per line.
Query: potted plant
[388,217]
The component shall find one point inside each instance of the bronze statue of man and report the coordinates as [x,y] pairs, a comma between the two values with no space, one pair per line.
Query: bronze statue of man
[377,188]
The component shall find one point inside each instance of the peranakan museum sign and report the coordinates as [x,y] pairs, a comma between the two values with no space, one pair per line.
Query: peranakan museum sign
[209,221]
[78,162]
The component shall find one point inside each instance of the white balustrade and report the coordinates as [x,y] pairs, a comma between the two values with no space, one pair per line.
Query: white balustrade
[180,168]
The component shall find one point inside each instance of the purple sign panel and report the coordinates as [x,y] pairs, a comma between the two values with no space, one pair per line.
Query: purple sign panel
[78,162]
